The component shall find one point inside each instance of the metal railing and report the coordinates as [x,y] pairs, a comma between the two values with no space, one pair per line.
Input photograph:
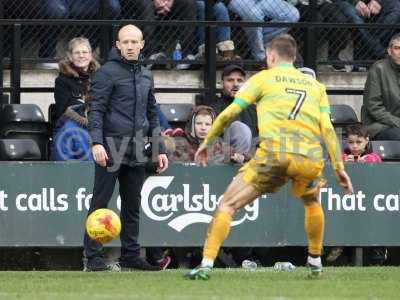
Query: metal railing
[109,28]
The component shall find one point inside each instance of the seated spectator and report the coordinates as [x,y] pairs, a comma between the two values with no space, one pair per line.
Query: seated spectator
[196,130]
[381,101]
[73,80]
[71,140]
[329,12]
[369,44]
[162,40]
[74,9]
[225,44]
[260,11]
[232,78]
[358,151]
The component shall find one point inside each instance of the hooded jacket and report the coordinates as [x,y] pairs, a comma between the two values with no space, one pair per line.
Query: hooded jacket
[70,87]
[122,105]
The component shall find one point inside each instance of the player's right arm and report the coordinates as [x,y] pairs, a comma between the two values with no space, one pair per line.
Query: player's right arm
[332,145]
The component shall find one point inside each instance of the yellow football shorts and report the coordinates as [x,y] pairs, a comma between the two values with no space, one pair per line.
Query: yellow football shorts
[268,171]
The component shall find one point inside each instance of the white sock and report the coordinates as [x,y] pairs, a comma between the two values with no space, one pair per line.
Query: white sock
[206,262]
[315,261]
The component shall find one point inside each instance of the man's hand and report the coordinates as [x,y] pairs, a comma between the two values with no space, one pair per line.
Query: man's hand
[374,7]
[363,9]
[201,156]
[344,181]
[100,155]
[162,163]
[163,7]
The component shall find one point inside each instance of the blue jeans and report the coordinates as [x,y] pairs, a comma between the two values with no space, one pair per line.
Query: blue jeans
[221,14]
[74,9]
[373,43]
[260,11]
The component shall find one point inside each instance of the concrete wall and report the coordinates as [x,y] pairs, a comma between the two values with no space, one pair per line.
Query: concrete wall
[183,79]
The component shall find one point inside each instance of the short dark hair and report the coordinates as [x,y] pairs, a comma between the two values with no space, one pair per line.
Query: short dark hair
[394,38]
[358,130]
[285,45]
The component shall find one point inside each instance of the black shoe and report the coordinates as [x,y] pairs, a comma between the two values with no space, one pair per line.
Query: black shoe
[138,263]
[97,264]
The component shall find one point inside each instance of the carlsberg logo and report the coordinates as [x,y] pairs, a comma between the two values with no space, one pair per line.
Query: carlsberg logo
[160,205]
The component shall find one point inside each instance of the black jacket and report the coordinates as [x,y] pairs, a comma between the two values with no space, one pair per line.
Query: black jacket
[69,87]
[122,105]
[248,116]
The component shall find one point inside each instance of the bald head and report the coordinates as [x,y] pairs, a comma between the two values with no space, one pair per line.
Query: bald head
[130,42]
[129,30]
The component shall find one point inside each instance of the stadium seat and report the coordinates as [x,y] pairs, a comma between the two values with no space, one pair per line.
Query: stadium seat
[19,149]
[21,113]
[177,113]
[25,121]
[52,115]
[342,115]
[388,150]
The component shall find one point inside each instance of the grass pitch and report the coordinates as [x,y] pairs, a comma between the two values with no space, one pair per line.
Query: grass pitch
[264,283]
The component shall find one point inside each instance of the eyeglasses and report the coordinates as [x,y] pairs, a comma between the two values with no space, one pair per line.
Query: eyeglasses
[76,53]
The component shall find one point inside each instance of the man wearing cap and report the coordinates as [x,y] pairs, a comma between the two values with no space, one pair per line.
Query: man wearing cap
[232,79]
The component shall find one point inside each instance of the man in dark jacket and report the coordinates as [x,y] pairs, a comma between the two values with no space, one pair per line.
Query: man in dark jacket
[381,102]
[122,114]
[232,78]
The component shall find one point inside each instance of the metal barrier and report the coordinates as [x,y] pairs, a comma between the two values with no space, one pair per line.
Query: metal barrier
[102,24]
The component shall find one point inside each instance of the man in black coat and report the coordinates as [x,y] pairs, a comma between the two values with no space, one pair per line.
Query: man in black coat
[122,115]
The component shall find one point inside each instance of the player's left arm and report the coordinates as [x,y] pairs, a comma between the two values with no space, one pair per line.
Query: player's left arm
[248,94]
[329,134]
[223,119]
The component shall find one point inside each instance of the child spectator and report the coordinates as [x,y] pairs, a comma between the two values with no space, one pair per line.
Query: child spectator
[358,150]
[196,129]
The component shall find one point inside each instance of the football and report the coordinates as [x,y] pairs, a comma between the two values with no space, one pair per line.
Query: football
[103,225]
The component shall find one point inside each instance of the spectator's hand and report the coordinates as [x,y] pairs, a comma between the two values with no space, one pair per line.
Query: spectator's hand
[361,159]
[163,7]
[162,163]
[350,157]
[100,155]
[237,157]
[374,7]
[363,9]
[344,181]
[201,156]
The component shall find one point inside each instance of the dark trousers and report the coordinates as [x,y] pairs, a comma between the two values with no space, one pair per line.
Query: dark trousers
[389,134]
[130,184]
[164,38]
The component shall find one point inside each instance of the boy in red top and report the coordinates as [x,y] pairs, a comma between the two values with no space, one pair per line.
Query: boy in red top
[357,142]
[357,150]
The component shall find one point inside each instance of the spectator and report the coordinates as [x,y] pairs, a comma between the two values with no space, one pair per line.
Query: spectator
[75,9]
[381,101]
[260,11]
[71,139]
[196,129]
[232,78]
[120,120]
[76,70]
[358,151]
[225,45]
[337,38]
[163,40]
[369,44]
